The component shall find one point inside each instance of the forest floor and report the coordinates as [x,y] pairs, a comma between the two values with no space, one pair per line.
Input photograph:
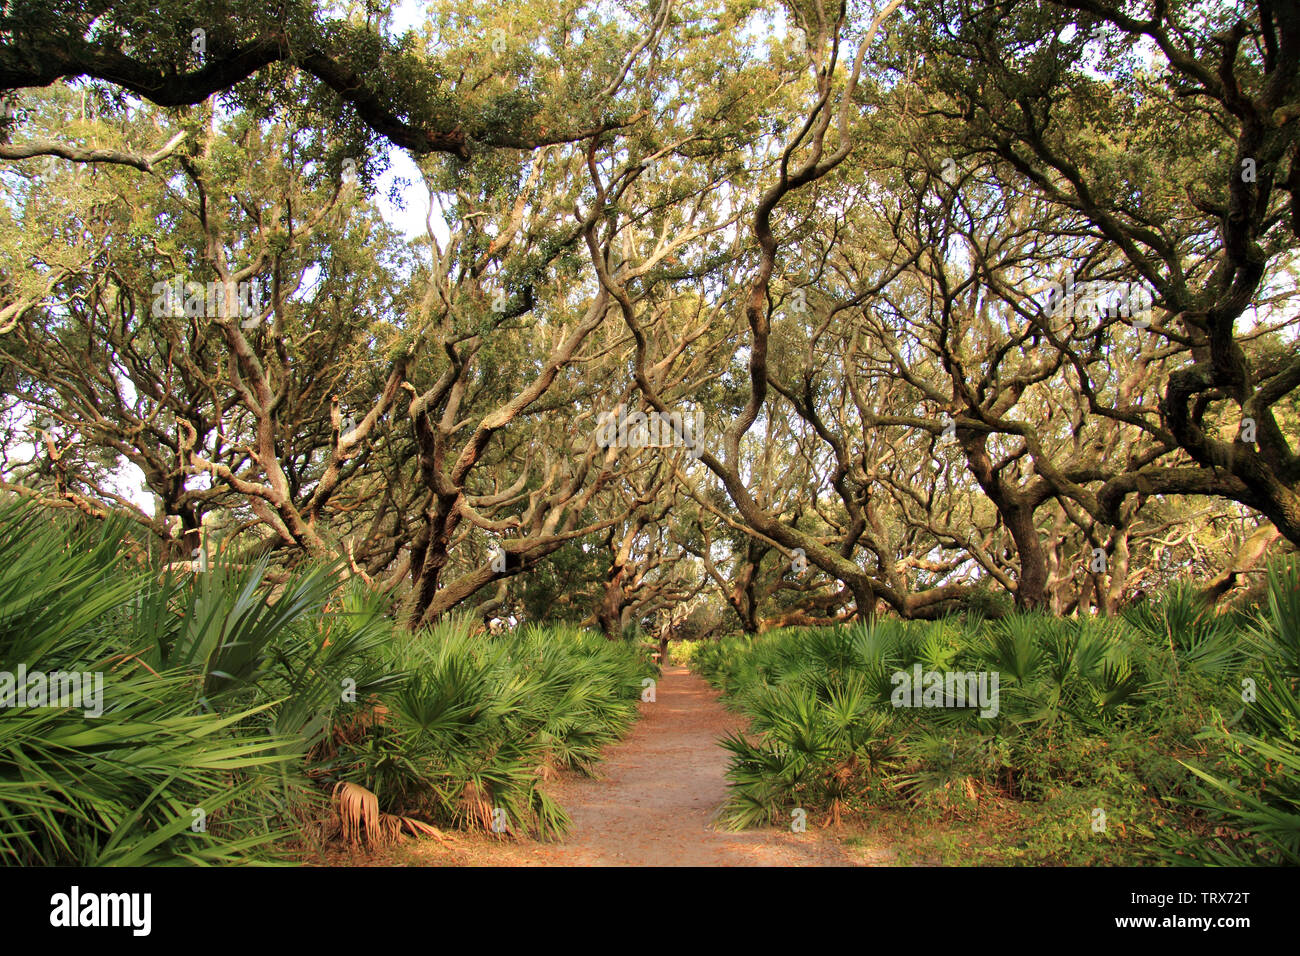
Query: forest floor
[653,804]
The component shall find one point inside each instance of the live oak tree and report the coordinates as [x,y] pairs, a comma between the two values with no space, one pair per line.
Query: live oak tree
[1181,150]
[830,247]
[346,70]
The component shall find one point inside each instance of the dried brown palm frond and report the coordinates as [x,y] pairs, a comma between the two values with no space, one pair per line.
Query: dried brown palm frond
[476,806]
[358,811]
[418,828]
[361,820]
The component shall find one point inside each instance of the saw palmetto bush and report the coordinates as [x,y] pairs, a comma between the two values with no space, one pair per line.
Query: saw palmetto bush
[1203,641]
[157,776]
[236,709]
[1252,799]
[1086,710]
[217,688]
[809,751]
[471,737]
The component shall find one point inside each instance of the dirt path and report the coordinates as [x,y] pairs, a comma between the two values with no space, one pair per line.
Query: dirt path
[658,792]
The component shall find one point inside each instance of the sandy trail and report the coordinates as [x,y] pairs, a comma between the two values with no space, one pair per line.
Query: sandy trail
[658,792]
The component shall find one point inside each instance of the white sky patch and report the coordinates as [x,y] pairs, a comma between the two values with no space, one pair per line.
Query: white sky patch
[419,214]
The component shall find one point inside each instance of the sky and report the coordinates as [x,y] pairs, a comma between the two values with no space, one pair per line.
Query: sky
[411,221]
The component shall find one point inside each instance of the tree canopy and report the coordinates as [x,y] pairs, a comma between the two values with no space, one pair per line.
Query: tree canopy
[728,314]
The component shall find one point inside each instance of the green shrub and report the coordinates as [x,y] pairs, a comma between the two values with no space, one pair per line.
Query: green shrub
[683,652]
[1092,714]
[233,706]
[167,771]
[1253,802]
[481,723]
